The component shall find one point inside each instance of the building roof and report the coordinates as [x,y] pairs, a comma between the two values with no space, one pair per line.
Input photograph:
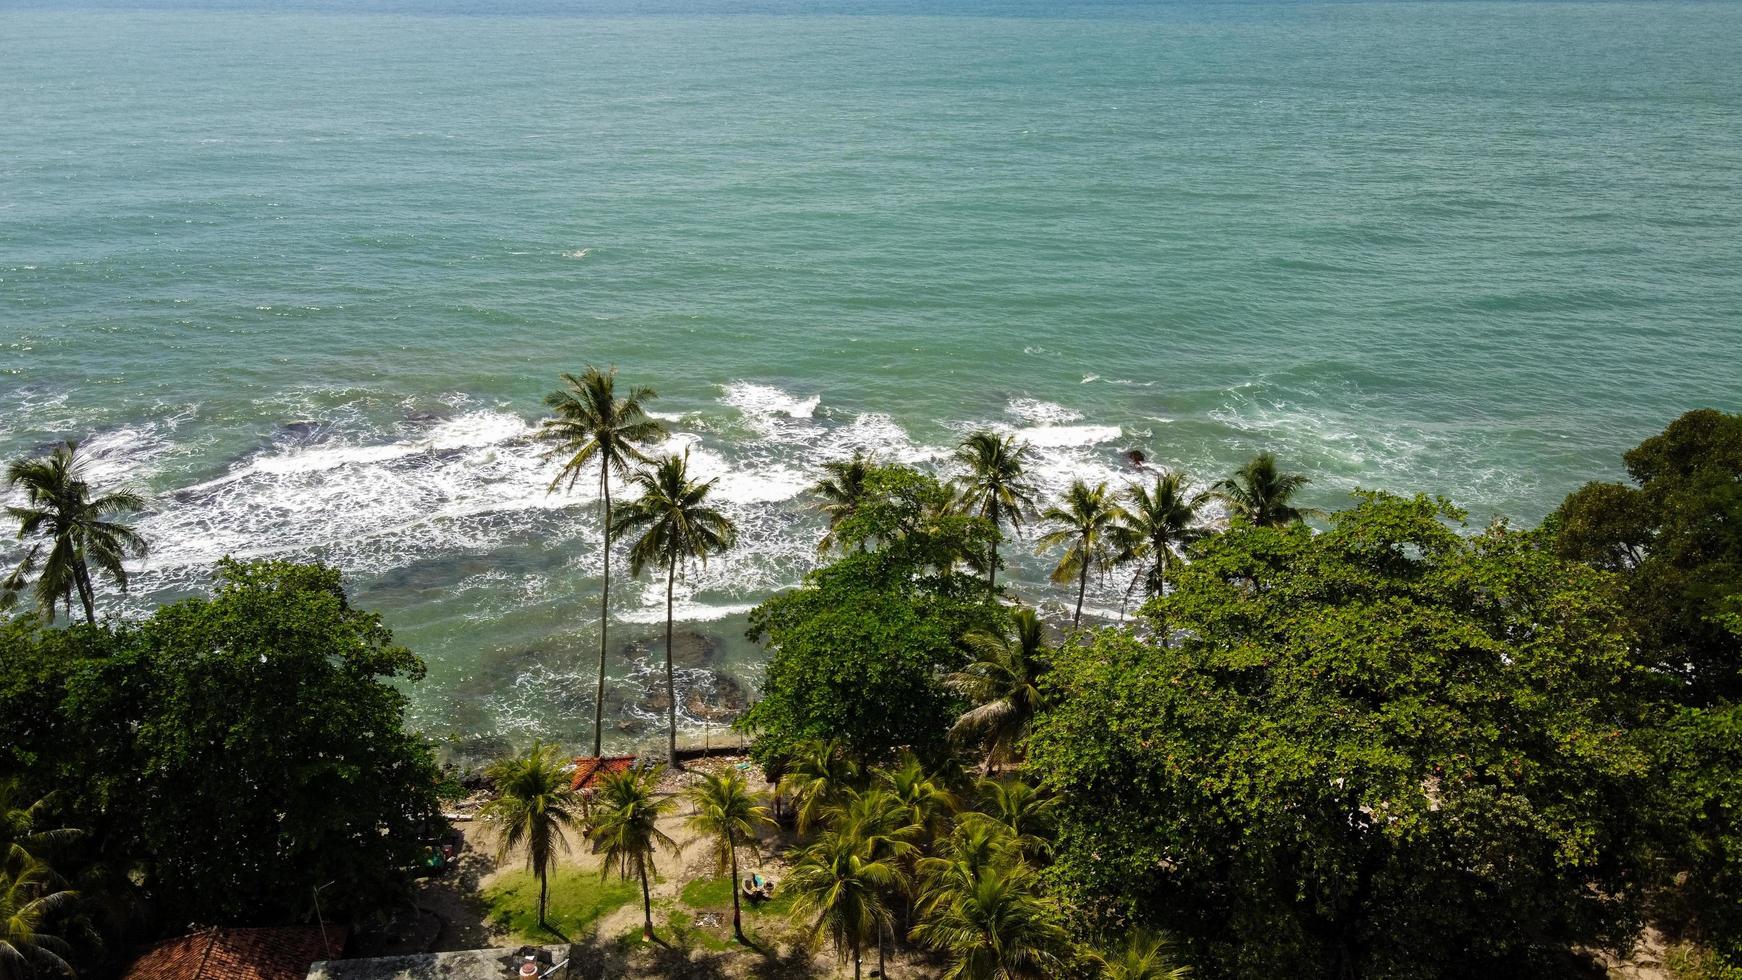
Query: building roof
[469,964]
[238,954]
[590,771]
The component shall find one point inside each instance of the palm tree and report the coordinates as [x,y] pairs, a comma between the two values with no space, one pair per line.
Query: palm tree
[1261,495]
[995,925]
[994,486]
[1019,810]
[819,776]
[587,422]
[535,806]
[1086,520]
[30,897]
[624,829]
[840,891]
[677,527]
[1145,956]
[22,837]
[842,491]
[79,529]
[1159,521]
[1003,685]
[728,814]
[973,847]
[925,803]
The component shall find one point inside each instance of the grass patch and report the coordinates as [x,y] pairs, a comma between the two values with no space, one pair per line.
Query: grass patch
[708,893]
[578,900]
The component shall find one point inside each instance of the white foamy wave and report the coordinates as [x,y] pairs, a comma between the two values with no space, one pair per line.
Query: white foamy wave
[1034,411]
[577,253]
[685,612]
[1055,436]
[765,400]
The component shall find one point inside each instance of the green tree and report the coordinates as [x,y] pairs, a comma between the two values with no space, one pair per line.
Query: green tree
[534,808]
[589,423]
[1260,494]
[995,486]
[1387,750]
[677,527]
[840,892]
[726,813]
[79,529]
[624,828]
[995,925]
[267,717]
[1674,536]
[1144,955]
[1086,522]
[31,900]
[924,802]
[1159,522]
[1002,685]
[841,490]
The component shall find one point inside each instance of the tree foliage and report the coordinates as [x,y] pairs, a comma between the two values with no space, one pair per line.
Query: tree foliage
[1389,750]
[246,747]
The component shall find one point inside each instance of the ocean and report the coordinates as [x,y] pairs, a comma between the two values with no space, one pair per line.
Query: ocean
[303,272]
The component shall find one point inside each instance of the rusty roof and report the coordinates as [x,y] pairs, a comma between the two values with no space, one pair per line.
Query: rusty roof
[590,771]
[238,954]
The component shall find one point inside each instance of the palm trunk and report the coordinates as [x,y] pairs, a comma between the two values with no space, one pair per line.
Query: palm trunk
[604,615]
[646,906]
[992,570]
[543,893]
[1082,588]
[82,576]
[882,970]
[856,973]
[670,681]
[737,916]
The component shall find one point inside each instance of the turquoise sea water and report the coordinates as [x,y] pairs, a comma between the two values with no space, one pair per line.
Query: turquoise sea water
[305,271]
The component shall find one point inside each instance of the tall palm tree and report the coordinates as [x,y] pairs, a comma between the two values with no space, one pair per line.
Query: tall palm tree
[842,490]
[1085,521]
[1144,956]
[995,486]
[819,776]
[1003,685]
[79,529]
[589,422]
[677,527]
[1262,495]
[624,828]
[1158,521]
[536,805]
[996,926]
[30,898]
[726,812]
[840,891]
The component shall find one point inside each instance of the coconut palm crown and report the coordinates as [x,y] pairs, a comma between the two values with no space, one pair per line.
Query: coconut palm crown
[1159,520]
[995,486]
[1085,524]
[589,423]
[623,826]
[1260,494]
[677,527]
[78,527]
[841,491]
[728,815]
[535,808]
[1003,686]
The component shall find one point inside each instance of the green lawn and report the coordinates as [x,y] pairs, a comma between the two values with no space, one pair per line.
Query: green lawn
[763,921]
[578,900]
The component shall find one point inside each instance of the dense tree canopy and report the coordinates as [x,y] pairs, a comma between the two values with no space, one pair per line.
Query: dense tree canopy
[234,751]
[861,649]
[1388,750]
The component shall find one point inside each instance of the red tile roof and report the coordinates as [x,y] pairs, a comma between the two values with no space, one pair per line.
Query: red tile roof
[590,771]
[238,954]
